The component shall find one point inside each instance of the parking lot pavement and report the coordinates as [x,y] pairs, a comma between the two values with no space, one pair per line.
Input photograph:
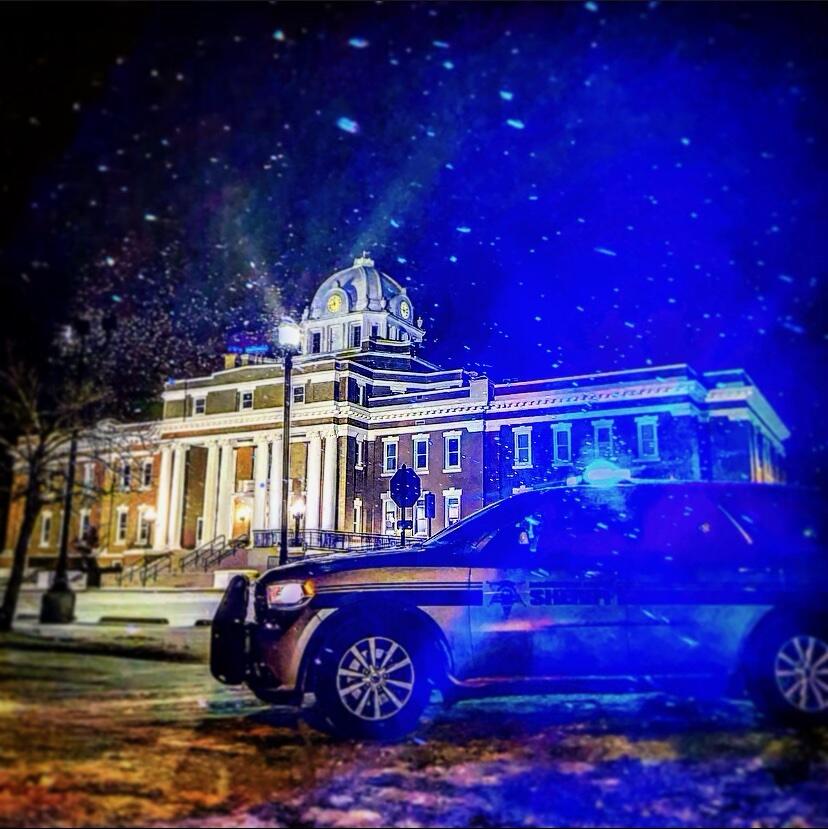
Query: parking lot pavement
[100,740]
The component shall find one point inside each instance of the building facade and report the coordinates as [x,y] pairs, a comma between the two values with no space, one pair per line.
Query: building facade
[364,402]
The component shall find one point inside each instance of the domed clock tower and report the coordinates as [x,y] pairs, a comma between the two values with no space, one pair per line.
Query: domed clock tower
[357,304]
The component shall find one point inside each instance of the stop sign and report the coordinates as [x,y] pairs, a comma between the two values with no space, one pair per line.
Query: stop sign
[405,487]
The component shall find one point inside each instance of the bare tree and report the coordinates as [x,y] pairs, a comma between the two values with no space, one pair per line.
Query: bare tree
[41,417]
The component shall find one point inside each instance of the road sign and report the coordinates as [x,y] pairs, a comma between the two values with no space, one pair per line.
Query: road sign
[405,525]
[405,487]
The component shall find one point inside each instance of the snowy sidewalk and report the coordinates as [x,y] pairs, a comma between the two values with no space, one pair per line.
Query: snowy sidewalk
[181,644]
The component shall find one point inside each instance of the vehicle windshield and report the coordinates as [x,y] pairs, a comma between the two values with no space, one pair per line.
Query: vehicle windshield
[479,524]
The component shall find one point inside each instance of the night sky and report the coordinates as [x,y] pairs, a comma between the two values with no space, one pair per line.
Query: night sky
[563,188]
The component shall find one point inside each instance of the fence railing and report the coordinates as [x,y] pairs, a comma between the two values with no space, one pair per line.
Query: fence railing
[326,540]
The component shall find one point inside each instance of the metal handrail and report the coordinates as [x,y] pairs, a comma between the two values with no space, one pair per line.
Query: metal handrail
[225,551]
[196,557]
[326,539]
[149,567]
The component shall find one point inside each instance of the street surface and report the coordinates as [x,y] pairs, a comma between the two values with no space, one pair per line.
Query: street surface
[104,740]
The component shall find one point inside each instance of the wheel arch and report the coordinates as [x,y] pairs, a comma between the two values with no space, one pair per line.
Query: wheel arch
[409,616]
[777,615]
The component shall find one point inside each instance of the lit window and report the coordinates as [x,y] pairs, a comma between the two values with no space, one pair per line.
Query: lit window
[389,523]
[420,520]
[602,438]
[146,475]
[200,405]
[298,394]
[246,400]
[45,529]
[389,448]
[523,447]
[121,526]
[451,452]
[452,506]
[562,443]
[647,437]
[421,454]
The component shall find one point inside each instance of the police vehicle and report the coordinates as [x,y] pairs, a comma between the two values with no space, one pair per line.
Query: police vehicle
[632,587]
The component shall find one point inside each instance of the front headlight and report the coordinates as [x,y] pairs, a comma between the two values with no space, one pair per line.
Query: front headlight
[290,593]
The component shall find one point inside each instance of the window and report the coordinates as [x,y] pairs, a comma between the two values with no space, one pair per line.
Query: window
[298,394]
[246,400]
[199,530]
[421,453]
[360,453]
[374,332]
[389,516]
[45,529]
[647,437]
[146,474]
[362,395]
[451,505]
[126,475]
[523,447]
[357,525]
[316,342]
[199,405]
[602,438]
[562,443]
[389,451]
[143,528]
[121,525]
[83,524]
[356,336]
[451,452]
[420,520]
[89,474]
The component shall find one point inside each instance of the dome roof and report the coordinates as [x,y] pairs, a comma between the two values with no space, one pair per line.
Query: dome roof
[364,287]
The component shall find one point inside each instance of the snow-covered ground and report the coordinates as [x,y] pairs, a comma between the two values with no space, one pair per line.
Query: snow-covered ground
[101,740]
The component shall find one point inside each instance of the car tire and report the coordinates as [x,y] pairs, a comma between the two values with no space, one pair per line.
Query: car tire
[787,671]
[374,680]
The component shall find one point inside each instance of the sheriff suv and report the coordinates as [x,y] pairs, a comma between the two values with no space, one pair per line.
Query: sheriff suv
[637,586]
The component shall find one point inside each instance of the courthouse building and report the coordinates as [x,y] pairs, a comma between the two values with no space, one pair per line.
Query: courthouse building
[364,402]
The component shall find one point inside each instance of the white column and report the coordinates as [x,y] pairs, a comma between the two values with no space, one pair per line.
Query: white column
[210,492]
[177,497]
[260,486]
[275,509]
[162,502]
[329,483]
[227,474]
[312,480]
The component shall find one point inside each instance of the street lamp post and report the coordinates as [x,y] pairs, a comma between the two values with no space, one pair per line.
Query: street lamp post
[289,345]
[298,510]
[58,603]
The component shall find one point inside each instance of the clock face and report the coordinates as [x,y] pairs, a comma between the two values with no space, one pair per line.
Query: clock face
[405,310]
[334,303]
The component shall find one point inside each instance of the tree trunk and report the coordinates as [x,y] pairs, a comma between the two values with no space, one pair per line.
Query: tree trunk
[30,511]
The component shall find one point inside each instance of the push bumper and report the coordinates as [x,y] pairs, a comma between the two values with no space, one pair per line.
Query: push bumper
[238,648]
[229,640]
